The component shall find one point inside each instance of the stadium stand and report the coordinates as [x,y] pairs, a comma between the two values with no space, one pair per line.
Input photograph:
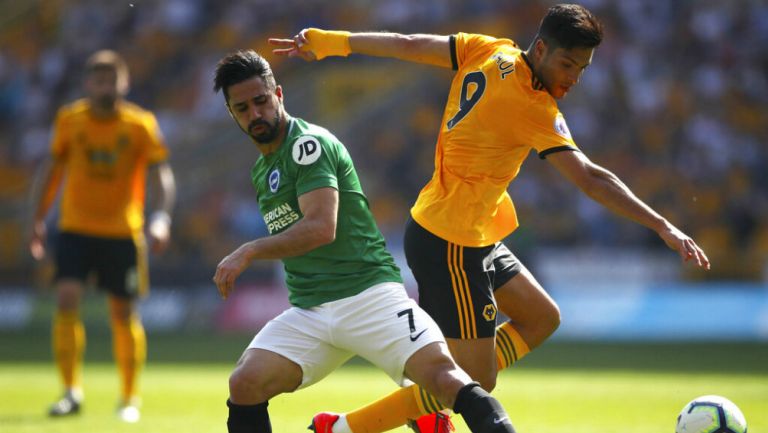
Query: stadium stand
[676,102]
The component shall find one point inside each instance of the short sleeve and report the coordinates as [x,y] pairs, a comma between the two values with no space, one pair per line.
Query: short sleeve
[157,151]
[59,143]
[466,45]
[549,132]
[316,161]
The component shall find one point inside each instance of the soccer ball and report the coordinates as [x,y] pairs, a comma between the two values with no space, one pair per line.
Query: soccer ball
[711,414]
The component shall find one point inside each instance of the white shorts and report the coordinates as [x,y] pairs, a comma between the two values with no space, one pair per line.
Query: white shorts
[381,324]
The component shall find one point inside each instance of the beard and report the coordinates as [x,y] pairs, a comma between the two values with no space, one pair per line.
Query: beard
[105,102]
[270,132]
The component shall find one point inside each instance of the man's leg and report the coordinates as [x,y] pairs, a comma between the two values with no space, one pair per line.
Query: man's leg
[531,310]
[439,376]
[434,370]
[533,317]
[413,402]
[129,346]
[68,340]
[258,376]
[456,288]
[119,273]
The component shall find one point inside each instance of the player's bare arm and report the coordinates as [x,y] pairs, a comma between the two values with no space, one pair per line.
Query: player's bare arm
[163,187]
[44,193]
[607,189]
[316,228]
[315,44]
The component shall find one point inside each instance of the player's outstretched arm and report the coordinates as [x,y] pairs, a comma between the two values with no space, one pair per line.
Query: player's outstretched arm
[607,189]
[315,228]
[315,44]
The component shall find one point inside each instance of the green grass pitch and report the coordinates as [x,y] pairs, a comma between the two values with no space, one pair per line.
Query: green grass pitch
[560,388]
[573,387]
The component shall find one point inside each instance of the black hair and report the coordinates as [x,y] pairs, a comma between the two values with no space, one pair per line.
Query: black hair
[569,26]
[240,66]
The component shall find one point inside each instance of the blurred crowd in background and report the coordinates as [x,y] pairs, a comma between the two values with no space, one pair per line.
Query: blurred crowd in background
[675,103]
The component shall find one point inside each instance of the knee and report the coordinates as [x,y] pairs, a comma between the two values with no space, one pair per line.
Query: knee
[67,305]
[553,319]
[68,296]
[545,324]
[446,382]
[245,387]
[487,380]
[121,312]
[248,385]
[484,374]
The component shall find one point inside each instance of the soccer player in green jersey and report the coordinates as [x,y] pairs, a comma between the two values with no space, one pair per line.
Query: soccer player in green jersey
[346,292]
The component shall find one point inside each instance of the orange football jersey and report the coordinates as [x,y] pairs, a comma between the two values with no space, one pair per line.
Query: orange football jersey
[105,167]
[497,111]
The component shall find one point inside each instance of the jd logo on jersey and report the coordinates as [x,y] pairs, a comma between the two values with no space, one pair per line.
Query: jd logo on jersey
[306,150]
[489,312]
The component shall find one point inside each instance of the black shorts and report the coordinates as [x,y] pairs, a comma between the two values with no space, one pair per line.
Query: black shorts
[119,264]
[456,283]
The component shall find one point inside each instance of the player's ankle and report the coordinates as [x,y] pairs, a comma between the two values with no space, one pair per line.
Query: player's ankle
[341,425]
[75,393]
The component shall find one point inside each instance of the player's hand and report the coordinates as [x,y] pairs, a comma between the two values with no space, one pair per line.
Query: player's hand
[37,243]
[159,232]
[229,269]
[684,245]
[296,47]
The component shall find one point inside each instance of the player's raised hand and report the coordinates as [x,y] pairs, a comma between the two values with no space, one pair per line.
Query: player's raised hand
[298,46]
[684,245]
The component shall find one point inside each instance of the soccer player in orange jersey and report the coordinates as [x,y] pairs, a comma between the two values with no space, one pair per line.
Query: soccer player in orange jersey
[103,150]
[501,105]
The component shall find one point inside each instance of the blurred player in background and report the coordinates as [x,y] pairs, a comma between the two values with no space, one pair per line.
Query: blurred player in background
[347,294]
[502,104]
[103,150]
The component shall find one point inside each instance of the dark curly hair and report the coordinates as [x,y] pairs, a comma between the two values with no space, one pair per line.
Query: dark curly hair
[240,66]
[569,26]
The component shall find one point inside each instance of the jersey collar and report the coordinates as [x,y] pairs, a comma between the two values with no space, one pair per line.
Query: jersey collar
[536,84]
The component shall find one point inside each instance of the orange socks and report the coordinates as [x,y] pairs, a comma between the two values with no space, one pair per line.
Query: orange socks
[68,347]
[392,411]
[410,403]
[129,344]
[510,346]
